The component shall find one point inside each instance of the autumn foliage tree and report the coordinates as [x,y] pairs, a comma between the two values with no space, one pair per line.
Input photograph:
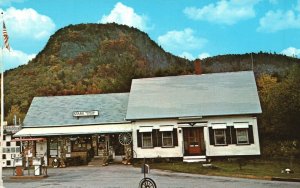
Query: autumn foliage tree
[280,100]
[13,113]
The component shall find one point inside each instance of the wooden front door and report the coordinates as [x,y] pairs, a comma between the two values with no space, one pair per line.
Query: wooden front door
[192,141]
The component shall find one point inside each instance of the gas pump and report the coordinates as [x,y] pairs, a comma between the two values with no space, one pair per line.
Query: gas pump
[37,163]
[19,166]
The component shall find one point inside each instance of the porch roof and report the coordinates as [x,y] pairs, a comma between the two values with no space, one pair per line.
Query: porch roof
[74,130]
[232,93]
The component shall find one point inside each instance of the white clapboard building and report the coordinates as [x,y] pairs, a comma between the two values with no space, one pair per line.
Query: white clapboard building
[195,116]
[192,117]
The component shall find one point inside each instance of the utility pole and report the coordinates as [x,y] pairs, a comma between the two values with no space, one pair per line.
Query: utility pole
[5,45]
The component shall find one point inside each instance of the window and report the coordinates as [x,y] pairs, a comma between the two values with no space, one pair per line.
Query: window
[239,134]
[167,139]
[8,163]
[147,140]
[53,147]
[220,137]
[3,156]
[157,138]
[6,150]
[7,143]
[8,137]
[242,136]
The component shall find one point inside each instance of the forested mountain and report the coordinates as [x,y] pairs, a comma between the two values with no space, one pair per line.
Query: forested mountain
[104,58]
[90,58]
[267,63]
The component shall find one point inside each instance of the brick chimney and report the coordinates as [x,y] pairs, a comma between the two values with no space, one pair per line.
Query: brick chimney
[198,68]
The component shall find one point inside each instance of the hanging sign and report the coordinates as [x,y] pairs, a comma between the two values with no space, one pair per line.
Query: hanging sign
[12,128]
[86,113]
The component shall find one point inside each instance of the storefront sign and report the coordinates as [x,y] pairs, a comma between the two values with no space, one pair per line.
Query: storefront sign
[85,113]
[12,128]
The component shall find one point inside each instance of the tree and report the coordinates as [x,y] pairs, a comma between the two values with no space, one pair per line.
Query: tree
[280,105]
[13,113]
[280,120]
[267,87]
[288,104]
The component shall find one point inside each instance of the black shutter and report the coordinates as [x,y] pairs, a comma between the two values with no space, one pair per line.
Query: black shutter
[154,137]
[250,134]
[233,134]
[175,137]
[139,139]
[228,135]
[159,138]
[211,136]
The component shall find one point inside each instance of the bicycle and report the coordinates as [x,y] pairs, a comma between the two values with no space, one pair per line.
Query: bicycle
[146,182]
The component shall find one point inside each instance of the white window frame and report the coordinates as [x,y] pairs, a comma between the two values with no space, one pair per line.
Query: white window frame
[215,137]
[151,137]
[237,136]
[164,137]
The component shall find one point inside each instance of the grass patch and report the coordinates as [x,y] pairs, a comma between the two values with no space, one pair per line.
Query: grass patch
[252,169]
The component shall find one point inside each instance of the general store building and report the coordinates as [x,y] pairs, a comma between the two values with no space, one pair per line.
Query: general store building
[190,117]
[74,126]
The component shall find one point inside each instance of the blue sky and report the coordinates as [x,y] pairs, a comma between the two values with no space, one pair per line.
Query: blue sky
[186,28]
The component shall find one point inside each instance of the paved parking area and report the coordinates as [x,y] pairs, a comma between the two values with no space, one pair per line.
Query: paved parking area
[121,176]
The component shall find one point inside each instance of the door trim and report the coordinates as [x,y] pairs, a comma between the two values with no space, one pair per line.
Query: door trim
[193,141]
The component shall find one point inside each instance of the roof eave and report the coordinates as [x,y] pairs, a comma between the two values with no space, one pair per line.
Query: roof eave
[101,123]
[191,117]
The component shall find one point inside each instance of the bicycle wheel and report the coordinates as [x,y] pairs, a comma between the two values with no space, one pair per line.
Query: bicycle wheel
[147,183]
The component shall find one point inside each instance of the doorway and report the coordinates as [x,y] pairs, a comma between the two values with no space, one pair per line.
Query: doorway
[109,143]
[193,141]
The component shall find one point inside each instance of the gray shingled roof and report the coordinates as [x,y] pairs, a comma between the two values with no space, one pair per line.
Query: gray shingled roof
[58,110]
[193,95]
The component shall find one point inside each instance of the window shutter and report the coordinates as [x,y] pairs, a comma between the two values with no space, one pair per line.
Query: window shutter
[233,134]
[159,138]
[175,137]
[211,136]
[154,137]
[139,139]
[250,134]
[228,135]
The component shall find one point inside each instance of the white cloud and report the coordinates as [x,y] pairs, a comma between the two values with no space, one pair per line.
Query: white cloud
[125,15]
[181,41]
[27,23]
[280,20]
[15,58]
[291,51]
[203,55]
[187,55]
[223,12]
